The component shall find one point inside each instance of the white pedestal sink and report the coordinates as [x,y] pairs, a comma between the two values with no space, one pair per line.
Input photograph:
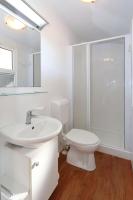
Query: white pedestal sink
[41,129]
[33,162]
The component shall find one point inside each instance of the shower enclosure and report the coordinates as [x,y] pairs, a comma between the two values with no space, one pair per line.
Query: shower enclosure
[99,84]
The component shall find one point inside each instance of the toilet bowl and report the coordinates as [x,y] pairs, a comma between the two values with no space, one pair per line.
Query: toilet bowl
[83,144]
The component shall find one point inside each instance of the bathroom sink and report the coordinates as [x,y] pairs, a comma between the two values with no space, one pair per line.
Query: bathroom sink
[41,129]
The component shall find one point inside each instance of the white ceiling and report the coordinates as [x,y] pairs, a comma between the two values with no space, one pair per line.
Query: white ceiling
[105,18]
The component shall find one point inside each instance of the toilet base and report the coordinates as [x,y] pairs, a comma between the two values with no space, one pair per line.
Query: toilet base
[82,159]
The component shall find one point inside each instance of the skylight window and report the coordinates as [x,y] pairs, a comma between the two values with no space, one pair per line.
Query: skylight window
[25,12]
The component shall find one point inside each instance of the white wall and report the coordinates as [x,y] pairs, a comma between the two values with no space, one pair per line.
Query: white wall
[56,70]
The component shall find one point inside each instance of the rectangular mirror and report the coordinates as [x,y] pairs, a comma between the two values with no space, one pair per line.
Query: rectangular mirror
[20,53]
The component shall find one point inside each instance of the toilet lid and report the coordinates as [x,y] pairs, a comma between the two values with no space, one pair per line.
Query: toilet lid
[82,137]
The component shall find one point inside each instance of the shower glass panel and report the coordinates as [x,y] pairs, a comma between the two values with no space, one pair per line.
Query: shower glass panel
[80,86]
[107,93]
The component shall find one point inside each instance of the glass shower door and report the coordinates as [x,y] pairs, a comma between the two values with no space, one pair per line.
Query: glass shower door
[107,93]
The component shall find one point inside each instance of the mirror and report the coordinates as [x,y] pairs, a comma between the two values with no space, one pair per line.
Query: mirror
[20,57]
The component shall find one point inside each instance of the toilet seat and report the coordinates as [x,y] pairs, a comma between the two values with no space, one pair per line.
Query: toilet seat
[82,137]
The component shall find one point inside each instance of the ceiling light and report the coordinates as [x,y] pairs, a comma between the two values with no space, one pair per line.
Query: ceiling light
[25,12]
[14,23]
[88,1]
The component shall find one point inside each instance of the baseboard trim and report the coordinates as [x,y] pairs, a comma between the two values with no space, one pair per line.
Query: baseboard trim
[116,152]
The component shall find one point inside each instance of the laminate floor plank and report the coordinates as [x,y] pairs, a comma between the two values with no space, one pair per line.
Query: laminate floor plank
[112,180]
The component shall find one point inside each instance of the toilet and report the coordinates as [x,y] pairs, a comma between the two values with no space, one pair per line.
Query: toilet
[82,143]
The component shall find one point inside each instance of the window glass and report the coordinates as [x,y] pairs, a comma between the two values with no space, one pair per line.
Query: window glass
[6,59]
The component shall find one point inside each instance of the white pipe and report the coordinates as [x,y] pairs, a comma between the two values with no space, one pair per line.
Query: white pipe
[88,85]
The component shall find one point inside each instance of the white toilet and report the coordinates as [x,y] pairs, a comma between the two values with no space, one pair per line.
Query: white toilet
[82,143]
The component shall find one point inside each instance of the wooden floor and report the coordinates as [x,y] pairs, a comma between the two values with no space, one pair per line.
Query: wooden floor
[112,180]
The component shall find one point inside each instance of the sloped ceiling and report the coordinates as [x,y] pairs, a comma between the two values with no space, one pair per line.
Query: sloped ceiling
[105,18]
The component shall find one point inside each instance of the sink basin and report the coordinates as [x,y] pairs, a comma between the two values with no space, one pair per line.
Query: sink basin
[41,129]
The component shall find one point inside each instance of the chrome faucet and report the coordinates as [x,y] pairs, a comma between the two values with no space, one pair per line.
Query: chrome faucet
[29,114]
